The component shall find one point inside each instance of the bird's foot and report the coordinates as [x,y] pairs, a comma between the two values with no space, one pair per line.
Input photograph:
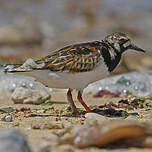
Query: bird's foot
[79,114]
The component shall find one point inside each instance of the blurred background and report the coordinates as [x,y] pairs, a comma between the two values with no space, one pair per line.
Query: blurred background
[33,28]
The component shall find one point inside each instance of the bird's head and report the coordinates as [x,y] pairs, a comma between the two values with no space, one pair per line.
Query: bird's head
[120,42]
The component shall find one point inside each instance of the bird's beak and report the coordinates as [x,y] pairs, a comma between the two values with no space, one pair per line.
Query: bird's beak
[134,47]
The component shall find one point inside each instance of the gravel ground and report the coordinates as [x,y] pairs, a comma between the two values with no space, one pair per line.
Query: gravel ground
[40,137]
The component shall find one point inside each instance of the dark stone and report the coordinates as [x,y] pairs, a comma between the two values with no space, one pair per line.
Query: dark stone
[13,141]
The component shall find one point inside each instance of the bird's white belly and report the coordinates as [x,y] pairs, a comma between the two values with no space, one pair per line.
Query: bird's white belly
[68,80]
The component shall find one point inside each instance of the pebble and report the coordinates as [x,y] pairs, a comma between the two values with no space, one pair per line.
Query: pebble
[6,109]
[13,141]
[93,118]
[132,134]
[28,96]
[7,118]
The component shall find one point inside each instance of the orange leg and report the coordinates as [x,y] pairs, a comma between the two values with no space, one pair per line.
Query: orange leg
[70,100]
[79,97]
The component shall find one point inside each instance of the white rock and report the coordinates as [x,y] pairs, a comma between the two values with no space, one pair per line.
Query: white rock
[94,118]
[9,82]
[7,118]
[24,95]
[138,83]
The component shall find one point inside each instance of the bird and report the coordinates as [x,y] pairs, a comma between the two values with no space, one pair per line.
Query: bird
[76,66]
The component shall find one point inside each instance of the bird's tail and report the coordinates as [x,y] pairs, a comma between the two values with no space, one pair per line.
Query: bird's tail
[28,66]
[10,68]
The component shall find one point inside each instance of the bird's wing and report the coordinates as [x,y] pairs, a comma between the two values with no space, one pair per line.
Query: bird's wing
[73,59]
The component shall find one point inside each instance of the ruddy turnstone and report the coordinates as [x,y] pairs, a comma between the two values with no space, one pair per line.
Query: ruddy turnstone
[76,66]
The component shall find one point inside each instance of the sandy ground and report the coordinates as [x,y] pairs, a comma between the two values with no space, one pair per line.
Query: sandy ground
[38,138]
